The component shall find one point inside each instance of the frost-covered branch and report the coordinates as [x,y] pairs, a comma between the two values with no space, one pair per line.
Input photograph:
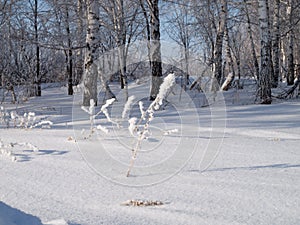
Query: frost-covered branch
[91,112]
[147,116]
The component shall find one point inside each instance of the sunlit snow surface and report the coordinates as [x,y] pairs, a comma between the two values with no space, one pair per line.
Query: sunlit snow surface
[252,177]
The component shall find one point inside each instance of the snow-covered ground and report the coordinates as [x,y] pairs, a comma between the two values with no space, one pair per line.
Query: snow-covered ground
[252,178]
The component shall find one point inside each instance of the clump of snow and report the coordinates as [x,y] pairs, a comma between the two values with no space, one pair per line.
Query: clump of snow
[127,106]
[56,222]
[43,124]
[165,87]
[168,132]
[132,125]
[105,111]
[102,128]
[142,111]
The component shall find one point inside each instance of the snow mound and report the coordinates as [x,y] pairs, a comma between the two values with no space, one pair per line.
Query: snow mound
[56,222]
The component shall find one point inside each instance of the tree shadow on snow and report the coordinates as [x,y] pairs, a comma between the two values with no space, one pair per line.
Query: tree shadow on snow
[12,216]
[272,166]
[51,152]
[28,155]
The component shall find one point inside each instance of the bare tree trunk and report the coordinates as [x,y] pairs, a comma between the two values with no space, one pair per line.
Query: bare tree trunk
[265,66]
[186,44]
[256,65]
[79,58]
[231,74]
[298,76]
[217,73]
[37,79]
[92,42]
[186,59]
[105,82]
[290,58]
[119,20]
[276,45]
[148,30]
[155,49]
[69,53]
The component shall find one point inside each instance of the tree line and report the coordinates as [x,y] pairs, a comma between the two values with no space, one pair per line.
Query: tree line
[60,41]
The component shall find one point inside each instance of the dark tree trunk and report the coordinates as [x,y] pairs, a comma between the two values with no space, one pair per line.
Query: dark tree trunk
[265,63]
[290,58]
[276,46]
[255,61]
[69,55]
[37,79]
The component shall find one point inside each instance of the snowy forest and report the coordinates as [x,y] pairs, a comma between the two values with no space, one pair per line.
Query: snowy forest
[45,41]
[141,112]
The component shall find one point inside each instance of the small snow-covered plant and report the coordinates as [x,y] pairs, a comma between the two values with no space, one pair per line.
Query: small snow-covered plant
[14,117]
[4,117]
[147,116]
[27,120]
[43,124]
[91,112]
[7,152]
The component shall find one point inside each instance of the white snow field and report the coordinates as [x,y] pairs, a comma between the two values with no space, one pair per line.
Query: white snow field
[245,173]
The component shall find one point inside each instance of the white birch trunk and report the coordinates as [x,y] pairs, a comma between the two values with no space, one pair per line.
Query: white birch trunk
[217,73]
[155,50]
[91,56]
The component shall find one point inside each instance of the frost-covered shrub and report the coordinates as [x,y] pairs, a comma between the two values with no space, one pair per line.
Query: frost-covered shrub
[92,116]
[140,127]
[7,150]
[27,120]
[4,117]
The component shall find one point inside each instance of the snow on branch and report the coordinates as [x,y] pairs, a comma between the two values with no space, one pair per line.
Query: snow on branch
[127,106]
[147,116]
[91,112]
